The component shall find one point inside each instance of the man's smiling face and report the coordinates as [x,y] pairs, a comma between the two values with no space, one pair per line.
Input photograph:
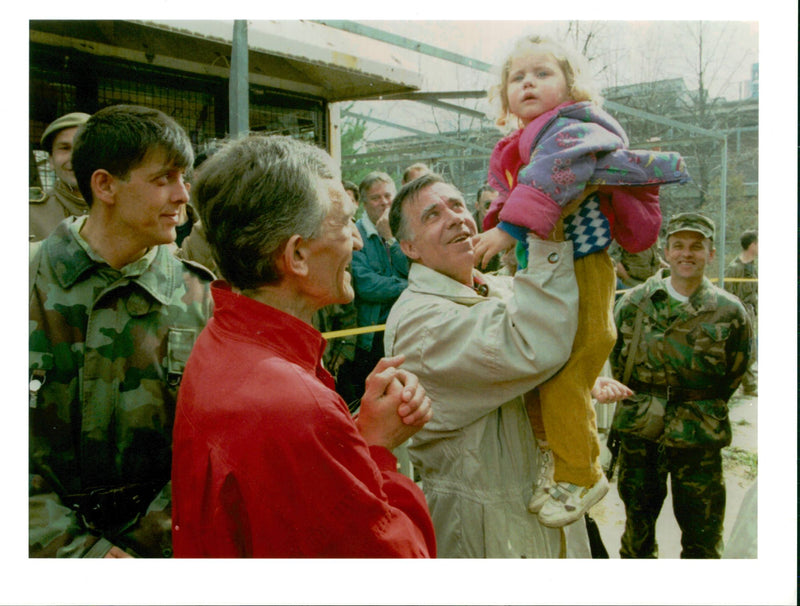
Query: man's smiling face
[441,230]
[688,253]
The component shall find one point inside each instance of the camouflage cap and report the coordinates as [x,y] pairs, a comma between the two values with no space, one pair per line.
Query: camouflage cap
[691,222]
[59,124]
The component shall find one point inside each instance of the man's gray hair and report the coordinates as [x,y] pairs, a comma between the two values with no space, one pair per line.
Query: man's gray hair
[371,179]
[256,193]
[397,219]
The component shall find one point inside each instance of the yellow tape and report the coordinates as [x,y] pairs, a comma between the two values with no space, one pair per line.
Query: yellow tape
[335,334]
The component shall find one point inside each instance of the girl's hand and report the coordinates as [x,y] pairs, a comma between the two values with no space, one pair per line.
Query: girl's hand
[607,390]
[490,243]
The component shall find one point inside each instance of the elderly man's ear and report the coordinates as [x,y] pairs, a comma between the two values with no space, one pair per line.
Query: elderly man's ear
[294,259]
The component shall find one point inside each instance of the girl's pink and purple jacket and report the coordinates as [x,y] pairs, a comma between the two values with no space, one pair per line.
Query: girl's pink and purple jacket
[541,168]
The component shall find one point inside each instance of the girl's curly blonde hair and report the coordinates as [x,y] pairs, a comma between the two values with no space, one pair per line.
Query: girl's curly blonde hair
[573,64]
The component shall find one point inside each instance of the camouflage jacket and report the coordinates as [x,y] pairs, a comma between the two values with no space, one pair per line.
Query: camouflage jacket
[107,350]
[703,345]
[640,265]
[746,291]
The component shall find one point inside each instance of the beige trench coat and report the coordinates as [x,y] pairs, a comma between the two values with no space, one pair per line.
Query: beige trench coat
[476,356]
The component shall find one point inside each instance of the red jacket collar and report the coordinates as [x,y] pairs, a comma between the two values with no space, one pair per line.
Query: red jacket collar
[267,326]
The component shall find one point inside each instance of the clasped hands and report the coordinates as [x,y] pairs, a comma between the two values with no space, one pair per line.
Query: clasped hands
[394,406]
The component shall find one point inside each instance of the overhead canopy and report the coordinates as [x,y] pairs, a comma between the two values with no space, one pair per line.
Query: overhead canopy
[299,56]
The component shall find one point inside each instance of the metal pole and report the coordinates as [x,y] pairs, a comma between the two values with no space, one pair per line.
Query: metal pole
[723,212]
[402,42]
[335,132]
[238,88]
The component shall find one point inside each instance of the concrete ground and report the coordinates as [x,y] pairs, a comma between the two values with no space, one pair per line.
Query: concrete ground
[740,470]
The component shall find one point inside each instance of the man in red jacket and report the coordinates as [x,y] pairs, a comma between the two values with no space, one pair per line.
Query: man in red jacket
[267,460]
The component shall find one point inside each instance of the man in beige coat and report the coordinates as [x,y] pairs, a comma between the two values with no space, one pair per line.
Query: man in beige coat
[478,343]
[64,199]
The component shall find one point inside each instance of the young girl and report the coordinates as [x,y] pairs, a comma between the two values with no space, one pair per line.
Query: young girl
[568,173]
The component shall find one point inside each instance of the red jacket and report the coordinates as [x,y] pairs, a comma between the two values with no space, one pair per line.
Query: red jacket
[267,461]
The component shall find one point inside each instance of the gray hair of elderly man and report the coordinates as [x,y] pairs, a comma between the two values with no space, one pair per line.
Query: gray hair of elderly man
[371,179]
[397,220]
[253,195]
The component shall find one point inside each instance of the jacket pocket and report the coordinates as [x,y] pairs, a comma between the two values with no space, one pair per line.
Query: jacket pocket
[699,423]
[708,342]
[642,415]
[179,345]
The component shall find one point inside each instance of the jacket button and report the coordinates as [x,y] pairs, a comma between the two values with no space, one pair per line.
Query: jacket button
[553,257]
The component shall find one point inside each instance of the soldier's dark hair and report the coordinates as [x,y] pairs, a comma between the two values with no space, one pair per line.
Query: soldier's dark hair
[253,195]
[748,238]
[119,137]
[397,220]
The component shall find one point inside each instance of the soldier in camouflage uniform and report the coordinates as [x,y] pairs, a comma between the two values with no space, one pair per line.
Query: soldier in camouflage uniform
[691,350]
[744,266]
[64,200]
[113,317]
[634,268]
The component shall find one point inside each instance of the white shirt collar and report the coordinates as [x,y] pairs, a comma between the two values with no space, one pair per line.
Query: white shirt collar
[674,293]
[369,226]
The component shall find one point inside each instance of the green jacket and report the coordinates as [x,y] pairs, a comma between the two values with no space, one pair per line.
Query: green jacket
[639,266]
[107,351]
[703,344]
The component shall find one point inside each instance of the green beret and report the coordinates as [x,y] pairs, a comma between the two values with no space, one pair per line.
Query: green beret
[691,222]
[59,124]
